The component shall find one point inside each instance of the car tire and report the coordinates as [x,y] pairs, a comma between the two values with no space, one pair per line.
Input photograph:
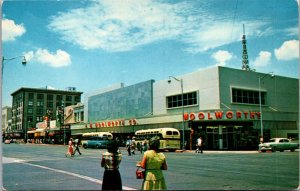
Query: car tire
[292,150]
[84,146]
[97,147]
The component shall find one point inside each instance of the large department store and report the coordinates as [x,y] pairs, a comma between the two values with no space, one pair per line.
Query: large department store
[228,107]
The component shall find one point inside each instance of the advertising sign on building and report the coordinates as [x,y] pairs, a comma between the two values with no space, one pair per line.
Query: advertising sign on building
[52,124]
[41,125]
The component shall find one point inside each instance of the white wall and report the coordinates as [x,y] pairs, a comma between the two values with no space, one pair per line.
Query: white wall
[206,82]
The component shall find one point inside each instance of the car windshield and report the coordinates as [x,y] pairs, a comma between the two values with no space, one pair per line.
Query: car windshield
[272,140]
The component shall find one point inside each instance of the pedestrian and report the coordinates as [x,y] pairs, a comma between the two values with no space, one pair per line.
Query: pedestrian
[77,142]
[111,160]
[139,147]
[128,145]
[70,150]
[145,145]
[199,145]
[133,145]
[154,162]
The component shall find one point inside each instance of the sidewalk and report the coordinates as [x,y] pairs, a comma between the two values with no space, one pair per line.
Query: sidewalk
[228,151]
[221,151]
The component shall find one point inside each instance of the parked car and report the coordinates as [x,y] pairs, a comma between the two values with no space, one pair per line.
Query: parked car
[278,144]
[95,142]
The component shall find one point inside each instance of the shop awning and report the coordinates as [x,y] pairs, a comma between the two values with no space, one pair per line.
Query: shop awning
[39,133]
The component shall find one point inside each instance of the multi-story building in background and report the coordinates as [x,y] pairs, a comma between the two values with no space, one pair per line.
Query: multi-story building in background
[6,120]
[30,106]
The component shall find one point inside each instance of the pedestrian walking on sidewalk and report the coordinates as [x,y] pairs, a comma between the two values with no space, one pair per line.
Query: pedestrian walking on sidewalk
[111,160]
[70,150]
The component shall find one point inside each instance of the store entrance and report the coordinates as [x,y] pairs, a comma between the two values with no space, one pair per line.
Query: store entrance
[222,137]
[227,135]
[212,138]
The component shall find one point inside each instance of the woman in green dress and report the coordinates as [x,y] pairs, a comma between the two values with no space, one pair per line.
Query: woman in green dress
[154,162]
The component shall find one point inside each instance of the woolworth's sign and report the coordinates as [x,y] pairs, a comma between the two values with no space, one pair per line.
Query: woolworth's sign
[219,115]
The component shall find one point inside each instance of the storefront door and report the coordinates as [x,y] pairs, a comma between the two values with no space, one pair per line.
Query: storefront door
[222,137]
[212,137]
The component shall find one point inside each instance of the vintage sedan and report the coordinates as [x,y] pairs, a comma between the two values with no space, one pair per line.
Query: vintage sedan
[95,142]
[278,144]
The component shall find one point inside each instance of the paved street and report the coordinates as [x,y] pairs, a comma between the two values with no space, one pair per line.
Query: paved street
[45,167]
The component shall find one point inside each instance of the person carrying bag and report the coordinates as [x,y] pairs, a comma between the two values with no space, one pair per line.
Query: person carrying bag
[153,162]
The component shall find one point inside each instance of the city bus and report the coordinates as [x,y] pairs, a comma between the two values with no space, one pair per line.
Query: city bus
[97,140]
[169,137]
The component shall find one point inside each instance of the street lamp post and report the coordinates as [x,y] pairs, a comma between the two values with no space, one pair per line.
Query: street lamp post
[182,106]
[260,104]
[24,62]
[2,65]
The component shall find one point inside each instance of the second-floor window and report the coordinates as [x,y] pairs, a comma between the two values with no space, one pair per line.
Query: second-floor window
[247,96]
[189,99]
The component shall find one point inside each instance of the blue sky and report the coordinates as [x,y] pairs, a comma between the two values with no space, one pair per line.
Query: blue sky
[95,44]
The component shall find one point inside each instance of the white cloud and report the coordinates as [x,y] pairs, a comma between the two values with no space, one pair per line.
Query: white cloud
[11,30]
[289,50]
[222,57]
[115,25]
[263,59]
[56,60]
[218,33]
[293,31]
[105,25]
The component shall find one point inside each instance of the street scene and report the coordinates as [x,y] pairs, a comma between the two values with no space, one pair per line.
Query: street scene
[45,167]
[203,94]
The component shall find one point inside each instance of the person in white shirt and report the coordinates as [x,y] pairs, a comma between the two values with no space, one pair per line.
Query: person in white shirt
[199,145]
[128,145]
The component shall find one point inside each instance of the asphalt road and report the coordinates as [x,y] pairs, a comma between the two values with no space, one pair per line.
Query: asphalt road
[45,167]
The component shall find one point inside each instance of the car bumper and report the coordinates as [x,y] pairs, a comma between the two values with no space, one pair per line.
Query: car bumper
[265,148]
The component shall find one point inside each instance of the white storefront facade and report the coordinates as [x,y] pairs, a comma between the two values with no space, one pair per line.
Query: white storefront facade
[229,108]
